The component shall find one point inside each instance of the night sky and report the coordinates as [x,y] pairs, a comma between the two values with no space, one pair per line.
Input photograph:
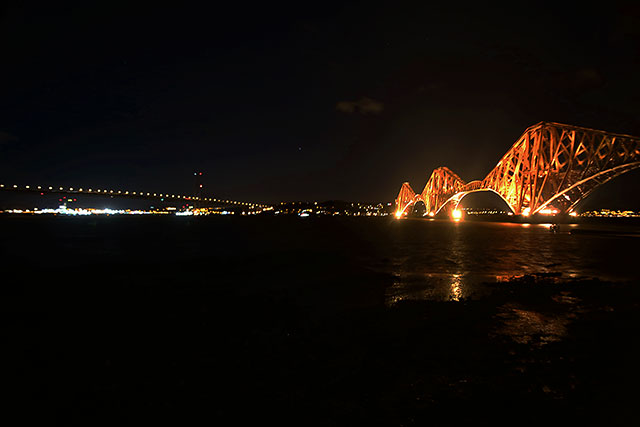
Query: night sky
[309,102]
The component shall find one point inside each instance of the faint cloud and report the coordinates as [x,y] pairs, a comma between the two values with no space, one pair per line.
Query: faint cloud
[586,79]
[6,138]
[363,106]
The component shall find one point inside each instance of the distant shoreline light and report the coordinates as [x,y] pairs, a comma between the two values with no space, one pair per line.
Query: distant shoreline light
[62,210]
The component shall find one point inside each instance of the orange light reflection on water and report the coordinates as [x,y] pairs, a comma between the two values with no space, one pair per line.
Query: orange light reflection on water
[456,288]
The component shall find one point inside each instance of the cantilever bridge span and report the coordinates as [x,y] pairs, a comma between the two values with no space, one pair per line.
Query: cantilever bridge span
[551,166]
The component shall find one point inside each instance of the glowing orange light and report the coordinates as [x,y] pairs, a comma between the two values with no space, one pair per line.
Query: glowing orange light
[456,214]
[548,211]
[398,214]
[431,214]
[573,213]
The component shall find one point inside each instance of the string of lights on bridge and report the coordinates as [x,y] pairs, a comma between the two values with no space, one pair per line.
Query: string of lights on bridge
[77,190]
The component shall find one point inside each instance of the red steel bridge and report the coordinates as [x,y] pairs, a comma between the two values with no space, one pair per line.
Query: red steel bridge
[551,167]
[200,200]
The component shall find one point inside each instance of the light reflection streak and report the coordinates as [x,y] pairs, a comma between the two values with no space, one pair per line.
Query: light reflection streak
[426,287]
[456,288]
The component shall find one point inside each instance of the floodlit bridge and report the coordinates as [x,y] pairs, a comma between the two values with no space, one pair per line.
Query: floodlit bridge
[550,168]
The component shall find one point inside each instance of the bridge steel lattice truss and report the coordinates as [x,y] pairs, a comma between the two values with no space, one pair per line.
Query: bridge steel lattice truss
[551,166]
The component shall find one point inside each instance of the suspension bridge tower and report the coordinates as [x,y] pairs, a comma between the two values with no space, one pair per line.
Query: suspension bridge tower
[198,185]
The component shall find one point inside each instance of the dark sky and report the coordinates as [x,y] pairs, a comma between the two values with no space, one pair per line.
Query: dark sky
[314,101]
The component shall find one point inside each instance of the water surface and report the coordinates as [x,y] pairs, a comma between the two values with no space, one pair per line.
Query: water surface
[449,260]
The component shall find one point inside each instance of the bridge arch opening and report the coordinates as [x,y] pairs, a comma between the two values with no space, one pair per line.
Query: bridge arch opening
[418,209]
[485,201]
[614,193]
[455,202]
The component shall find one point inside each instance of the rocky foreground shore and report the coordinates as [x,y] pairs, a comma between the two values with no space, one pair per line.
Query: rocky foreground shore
[535,348]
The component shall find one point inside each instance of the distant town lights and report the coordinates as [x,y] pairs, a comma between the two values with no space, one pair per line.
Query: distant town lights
[548,211]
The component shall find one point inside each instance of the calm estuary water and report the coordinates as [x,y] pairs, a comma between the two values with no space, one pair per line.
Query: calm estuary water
[422,259]
[445,260]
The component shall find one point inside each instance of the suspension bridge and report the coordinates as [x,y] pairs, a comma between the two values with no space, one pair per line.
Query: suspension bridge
[202,201]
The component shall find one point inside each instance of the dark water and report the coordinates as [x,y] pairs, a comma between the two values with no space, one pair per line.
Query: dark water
[426,258]
[440,260]
[329,321]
